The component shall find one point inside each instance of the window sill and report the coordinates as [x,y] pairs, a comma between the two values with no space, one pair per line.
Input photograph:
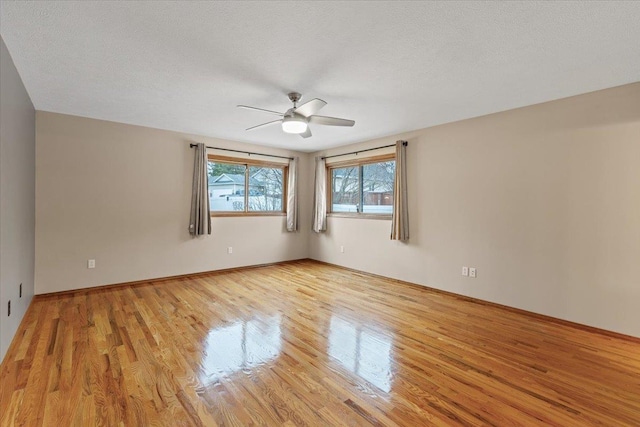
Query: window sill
[359,215]
[228,214]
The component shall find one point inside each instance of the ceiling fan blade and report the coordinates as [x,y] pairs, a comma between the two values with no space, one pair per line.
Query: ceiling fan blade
[264,124]
[331,121]
[310,108]
[260,109]
[306,133]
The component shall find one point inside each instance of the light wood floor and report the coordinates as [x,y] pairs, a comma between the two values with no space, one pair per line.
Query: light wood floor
[304,343]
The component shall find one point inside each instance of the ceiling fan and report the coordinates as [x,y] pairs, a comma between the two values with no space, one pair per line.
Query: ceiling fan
[297,119]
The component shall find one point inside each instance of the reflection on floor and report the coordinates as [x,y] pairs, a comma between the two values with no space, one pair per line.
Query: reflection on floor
[362,350]
[241,345]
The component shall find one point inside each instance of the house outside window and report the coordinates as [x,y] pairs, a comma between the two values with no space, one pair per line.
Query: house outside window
[242,187]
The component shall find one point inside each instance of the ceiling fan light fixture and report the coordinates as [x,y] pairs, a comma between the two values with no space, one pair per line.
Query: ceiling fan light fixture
[294,125]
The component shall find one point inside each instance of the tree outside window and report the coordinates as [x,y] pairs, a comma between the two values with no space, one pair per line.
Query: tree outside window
[363,188]
[238,188]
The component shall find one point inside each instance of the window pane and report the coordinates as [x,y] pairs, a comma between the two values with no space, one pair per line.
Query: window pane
[377,187]
[226,187]
[265,189]
[344,189]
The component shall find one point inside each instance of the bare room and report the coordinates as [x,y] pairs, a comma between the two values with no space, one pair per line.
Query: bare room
[319,213]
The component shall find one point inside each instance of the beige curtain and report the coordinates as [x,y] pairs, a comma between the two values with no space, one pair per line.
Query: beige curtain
[200,221]
[292,196]
[319,219]
[400,220]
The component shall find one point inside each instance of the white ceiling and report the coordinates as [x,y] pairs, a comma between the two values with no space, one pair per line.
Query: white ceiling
[390,66]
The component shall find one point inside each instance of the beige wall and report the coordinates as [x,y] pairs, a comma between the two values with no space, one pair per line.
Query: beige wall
[544,201]
[120,194]
[17,197]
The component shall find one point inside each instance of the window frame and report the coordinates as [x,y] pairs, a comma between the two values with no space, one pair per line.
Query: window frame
[251,162]
[355,163]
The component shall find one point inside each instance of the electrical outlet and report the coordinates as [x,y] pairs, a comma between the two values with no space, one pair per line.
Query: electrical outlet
[341,249]
[465,271]
[9,308]
[20,290]
[472,272]
[230,250]
[91,263]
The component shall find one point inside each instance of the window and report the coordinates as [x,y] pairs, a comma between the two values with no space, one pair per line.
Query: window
[362,188]
[238,187]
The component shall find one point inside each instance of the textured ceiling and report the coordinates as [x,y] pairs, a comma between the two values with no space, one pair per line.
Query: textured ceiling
[390,66]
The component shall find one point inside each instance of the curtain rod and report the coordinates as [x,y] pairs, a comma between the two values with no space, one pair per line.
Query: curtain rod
[244,152]
[405,143]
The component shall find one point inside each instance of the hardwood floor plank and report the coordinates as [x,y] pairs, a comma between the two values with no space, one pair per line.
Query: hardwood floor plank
[307,344]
